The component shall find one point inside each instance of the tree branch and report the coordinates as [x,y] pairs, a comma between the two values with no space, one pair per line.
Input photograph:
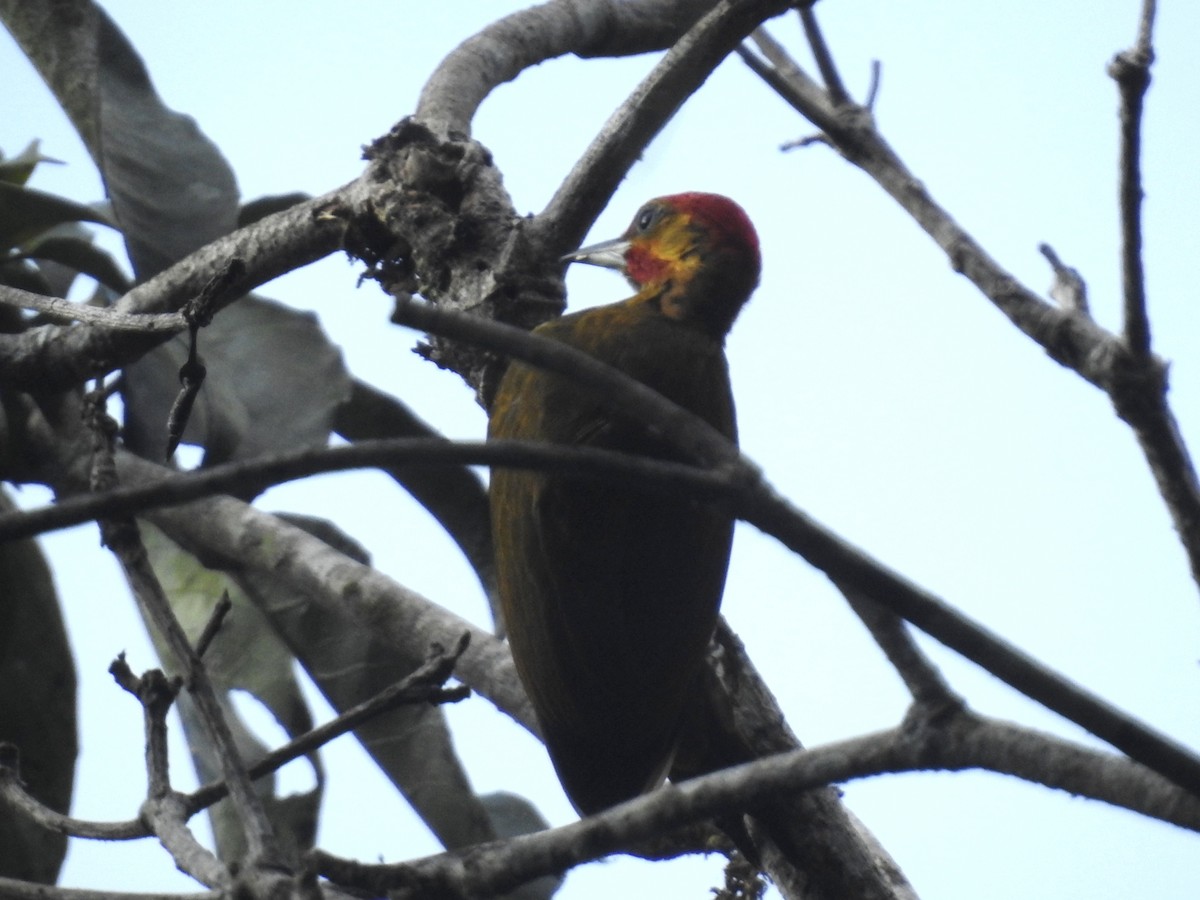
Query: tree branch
[252,545]
[122,537]
[488,869]
[1135,382]
[423,685]
[845,564]
[923,679]
[12,889]
[252,476]
[1131,70]
[170,323]
[588,187]
[57,357]
[504,49]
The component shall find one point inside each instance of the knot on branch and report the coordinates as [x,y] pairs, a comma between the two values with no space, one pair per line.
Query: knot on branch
[441,225]
[1136,384]
[1131,69]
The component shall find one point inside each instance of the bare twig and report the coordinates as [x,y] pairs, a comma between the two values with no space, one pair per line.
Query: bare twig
[121,535]
[156,693]
[922,678]
[873,87]
[1131,70]
[12,889]
[124,540]
[1069,288]
[102,317]
[825,64]
[215,620]
[423,685]
[252,476]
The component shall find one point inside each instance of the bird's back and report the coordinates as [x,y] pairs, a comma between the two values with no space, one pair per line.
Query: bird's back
[610,592]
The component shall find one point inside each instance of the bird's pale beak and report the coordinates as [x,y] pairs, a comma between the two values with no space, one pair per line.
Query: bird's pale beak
[610,254]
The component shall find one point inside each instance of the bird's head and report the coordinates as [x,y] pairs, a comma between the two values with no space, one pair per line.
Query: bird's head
[695,256]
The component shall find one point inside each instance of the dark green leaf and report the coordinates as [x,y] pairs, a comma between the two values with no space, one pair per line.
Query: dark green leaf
[274,382]
[171,189]
[80,255]
[26,213]
[37,706]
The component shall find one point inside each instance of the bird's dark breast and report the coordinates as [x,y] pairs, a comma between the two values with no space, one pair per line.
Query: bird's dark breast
[610,593]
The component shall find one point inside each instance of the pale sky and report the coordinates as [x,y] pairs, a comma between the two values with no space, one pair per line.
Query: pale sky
[876,388]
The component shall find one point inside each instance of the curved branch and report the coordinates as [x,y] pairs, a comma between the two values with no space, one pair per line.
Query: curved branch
[504,49]
[489,869]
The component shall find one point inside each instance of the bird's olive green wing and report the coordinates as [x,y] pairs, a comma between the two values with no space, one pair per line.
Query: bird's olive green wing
[610,593]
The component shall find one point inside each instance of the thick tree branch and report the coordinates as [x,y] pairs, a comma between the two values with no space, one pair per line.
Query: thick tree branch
[57,357]
[952,746]
[506,48]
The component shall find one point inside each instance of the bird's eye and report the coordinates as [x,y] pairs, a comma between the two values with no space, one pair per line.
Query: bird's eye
[645,218]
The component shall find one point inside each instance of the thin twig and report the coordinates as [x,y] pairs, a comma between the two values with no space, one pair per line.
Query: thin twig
[121,535]
[215,620]
[252,476]
[1069,289]
[825,64]
[923,679]
[424,685]
[1131,70]
[873,87]
[123,539]
[103,317]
